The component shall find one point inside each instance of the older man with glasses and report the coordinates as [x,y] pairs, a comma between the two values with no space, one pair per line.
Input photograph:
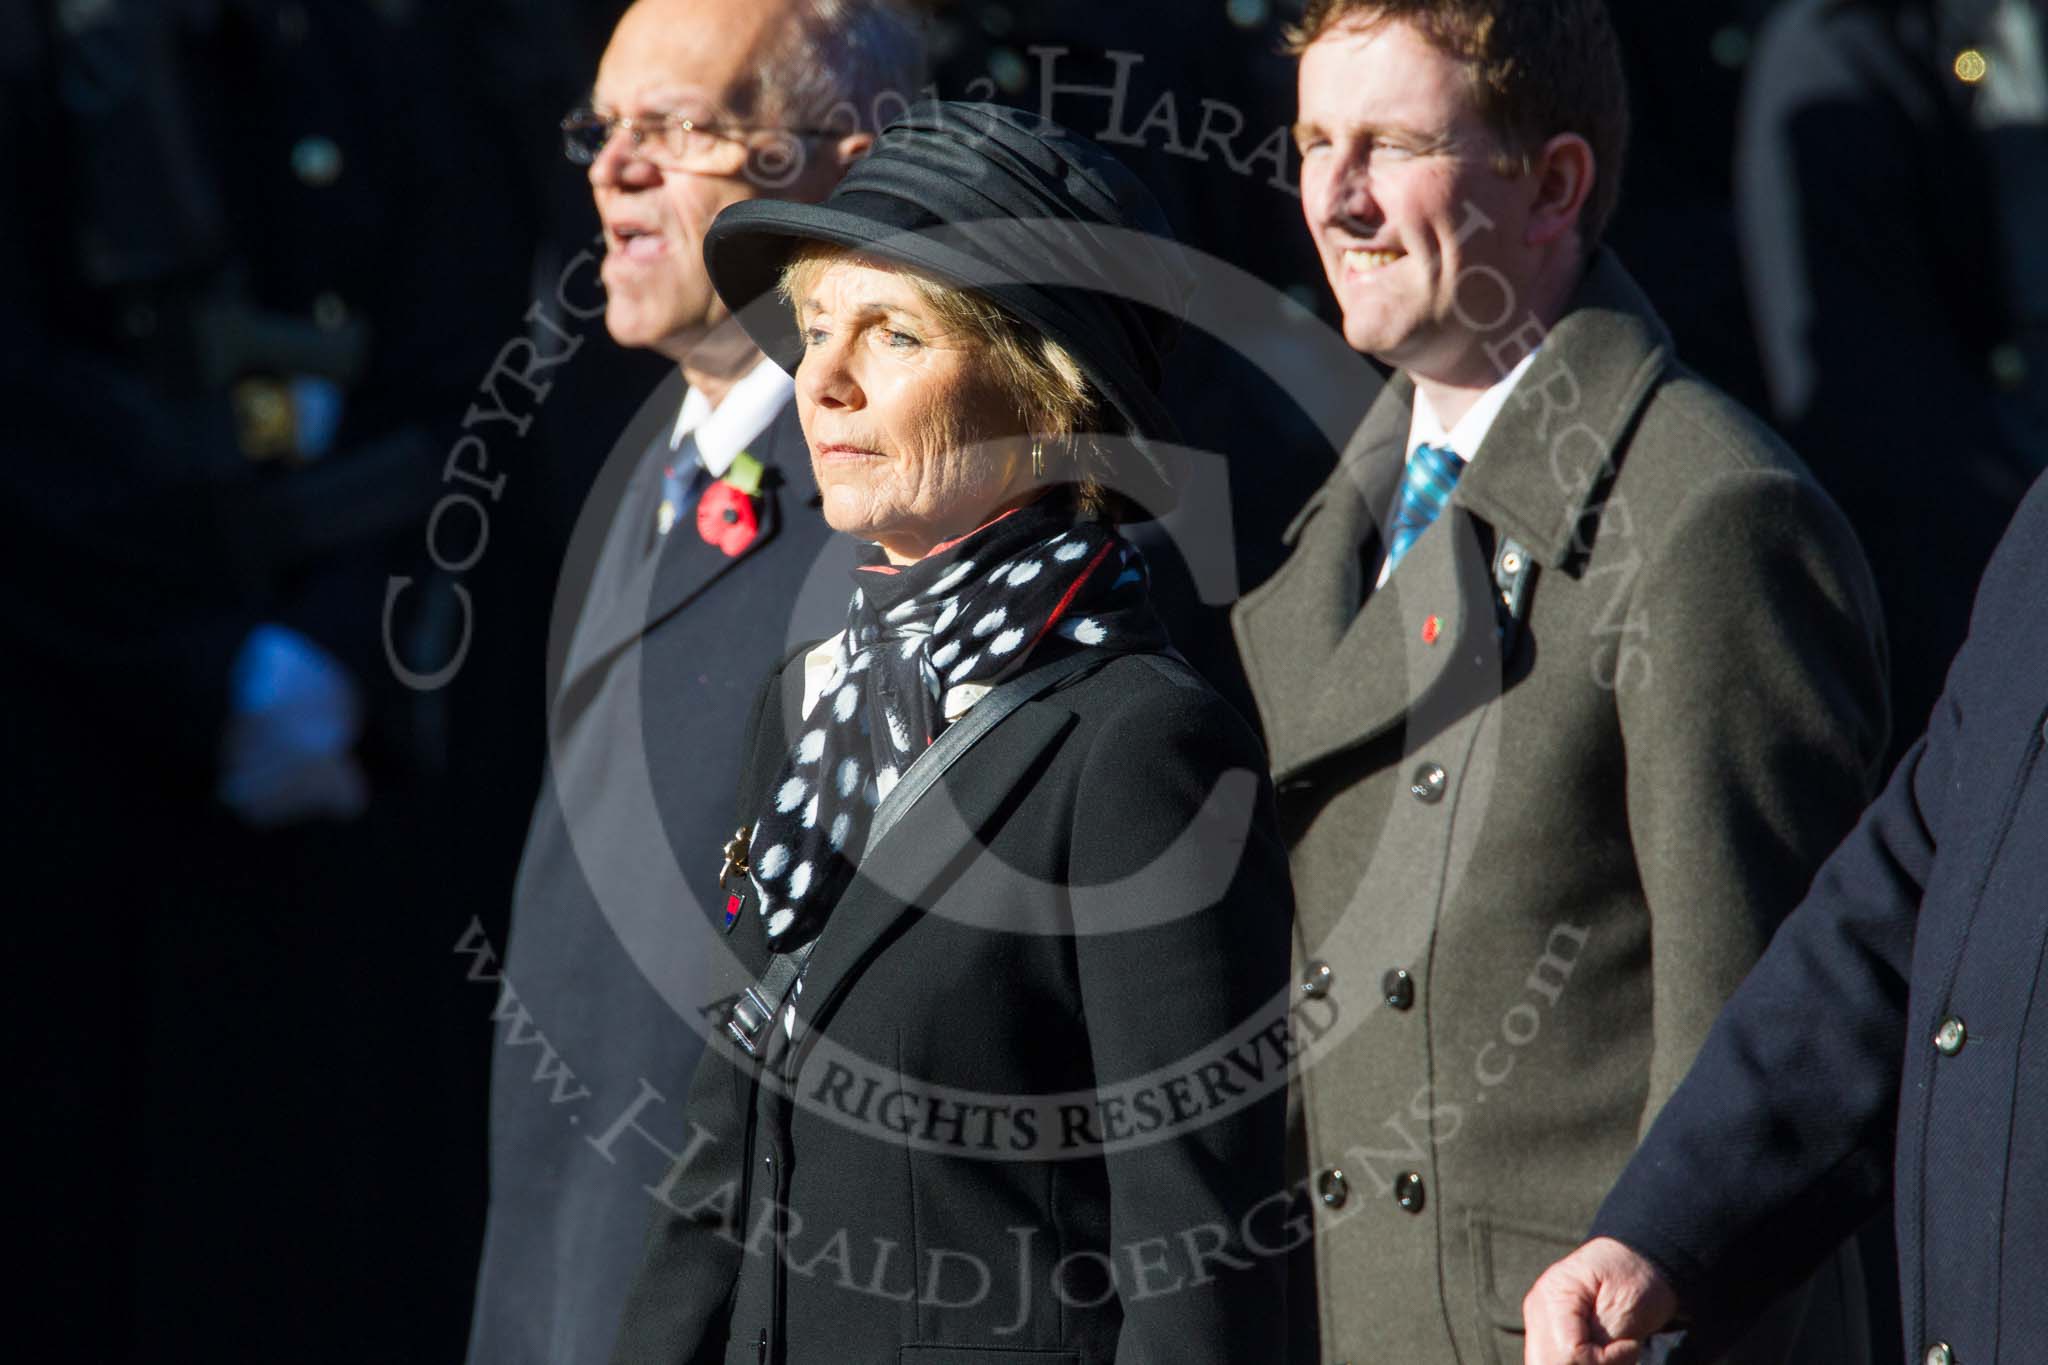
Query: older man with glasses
[694,546]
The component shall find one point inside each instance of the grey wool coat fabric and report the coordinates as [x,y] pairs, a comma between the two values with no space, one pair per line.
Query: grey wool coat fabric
[1527,883]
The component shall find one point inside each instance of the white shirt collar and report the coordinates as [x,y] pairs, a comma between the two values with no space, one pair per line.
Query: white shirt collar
[1470,433]
[722,432]
[818,666]
[1464,438]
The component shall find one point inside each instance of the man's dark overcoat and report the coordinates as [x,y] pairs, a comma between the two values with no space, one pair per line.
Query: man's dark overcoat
[607,960]
[1526,884]
[1895,1037]
[1079,936]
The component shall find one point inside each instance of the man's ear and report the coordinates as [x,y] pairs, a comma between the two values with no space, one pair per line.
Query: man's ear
[1563,177]
[852,148]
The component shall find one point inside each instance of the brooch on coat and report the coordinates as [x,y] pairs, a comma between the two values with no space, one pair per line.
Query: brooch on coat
[735,864]
[727,514]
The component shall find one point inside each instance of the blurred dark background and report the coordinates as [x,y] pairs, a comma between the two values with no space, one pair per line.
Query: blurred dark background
[284,277]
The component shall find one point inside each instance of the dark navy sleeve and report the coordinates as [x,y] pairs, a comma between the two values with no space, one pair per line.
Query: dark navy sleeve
[1778,1144]
[1781,1139]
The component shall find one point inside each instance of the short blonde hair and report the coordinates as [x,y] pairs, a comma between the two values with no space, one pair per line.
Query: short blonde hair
[1053,401]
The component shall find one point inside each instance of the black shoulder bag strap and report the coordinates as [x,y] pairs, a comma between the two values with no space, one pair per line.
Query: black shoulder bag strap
[957,738]
[751,1024]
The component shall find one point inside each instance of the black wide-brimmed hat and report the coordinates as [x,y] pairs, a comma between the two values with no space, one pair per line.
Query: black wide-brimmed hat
[1045,224]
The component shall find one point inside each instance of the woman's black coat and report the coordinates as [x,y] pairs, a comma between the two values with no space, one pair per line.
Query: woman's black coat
[1104,959]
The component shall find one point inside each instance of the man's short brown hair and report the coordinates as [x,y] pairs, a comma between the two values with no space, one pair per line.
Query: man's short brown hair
[1538,68]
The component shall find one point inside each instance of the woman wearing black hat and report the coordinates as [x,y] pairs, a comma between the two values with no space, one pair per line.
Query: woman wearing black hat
[1009,1085]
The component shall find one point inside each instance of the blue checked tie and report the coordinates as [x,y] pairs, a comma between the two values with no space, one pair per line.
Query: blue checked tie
[1432,473]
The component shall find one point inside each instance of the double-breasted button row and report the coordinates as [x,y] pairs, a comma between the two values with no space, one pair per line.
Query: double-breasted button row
[1428,783]
[1333,1188]
[1397,985]
[1950,1037]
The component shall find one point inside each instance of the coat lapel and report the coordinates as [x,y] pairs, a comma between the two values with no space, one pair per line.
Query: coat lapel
[1334,666]
[664,583]
[1292,628]
[593,583]
[1434,615]
[1559,441]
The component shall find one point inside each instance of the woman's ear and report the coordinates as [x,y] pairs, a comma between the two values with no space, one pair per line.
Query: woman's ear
[1563,174]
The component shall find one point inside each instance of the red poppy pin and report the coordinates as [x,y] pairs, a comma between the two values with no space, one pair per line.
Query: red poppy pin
[727,514]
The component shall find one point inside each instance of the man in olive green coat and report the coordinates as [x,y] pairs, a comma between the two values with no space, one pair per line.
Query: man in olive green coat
[1572,679]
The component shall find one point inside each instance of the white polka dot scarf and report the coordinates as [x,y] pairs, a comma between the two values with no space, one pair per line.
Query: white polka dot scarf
[1035,580]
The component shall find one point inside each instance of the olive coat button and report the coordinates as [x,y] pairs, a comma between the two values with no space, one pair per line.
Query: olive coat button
[1940,1354]
[1315,980]
[1399,988]
[1427,786]
[1332,1188]
[1950,1037]
[1408,1192]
